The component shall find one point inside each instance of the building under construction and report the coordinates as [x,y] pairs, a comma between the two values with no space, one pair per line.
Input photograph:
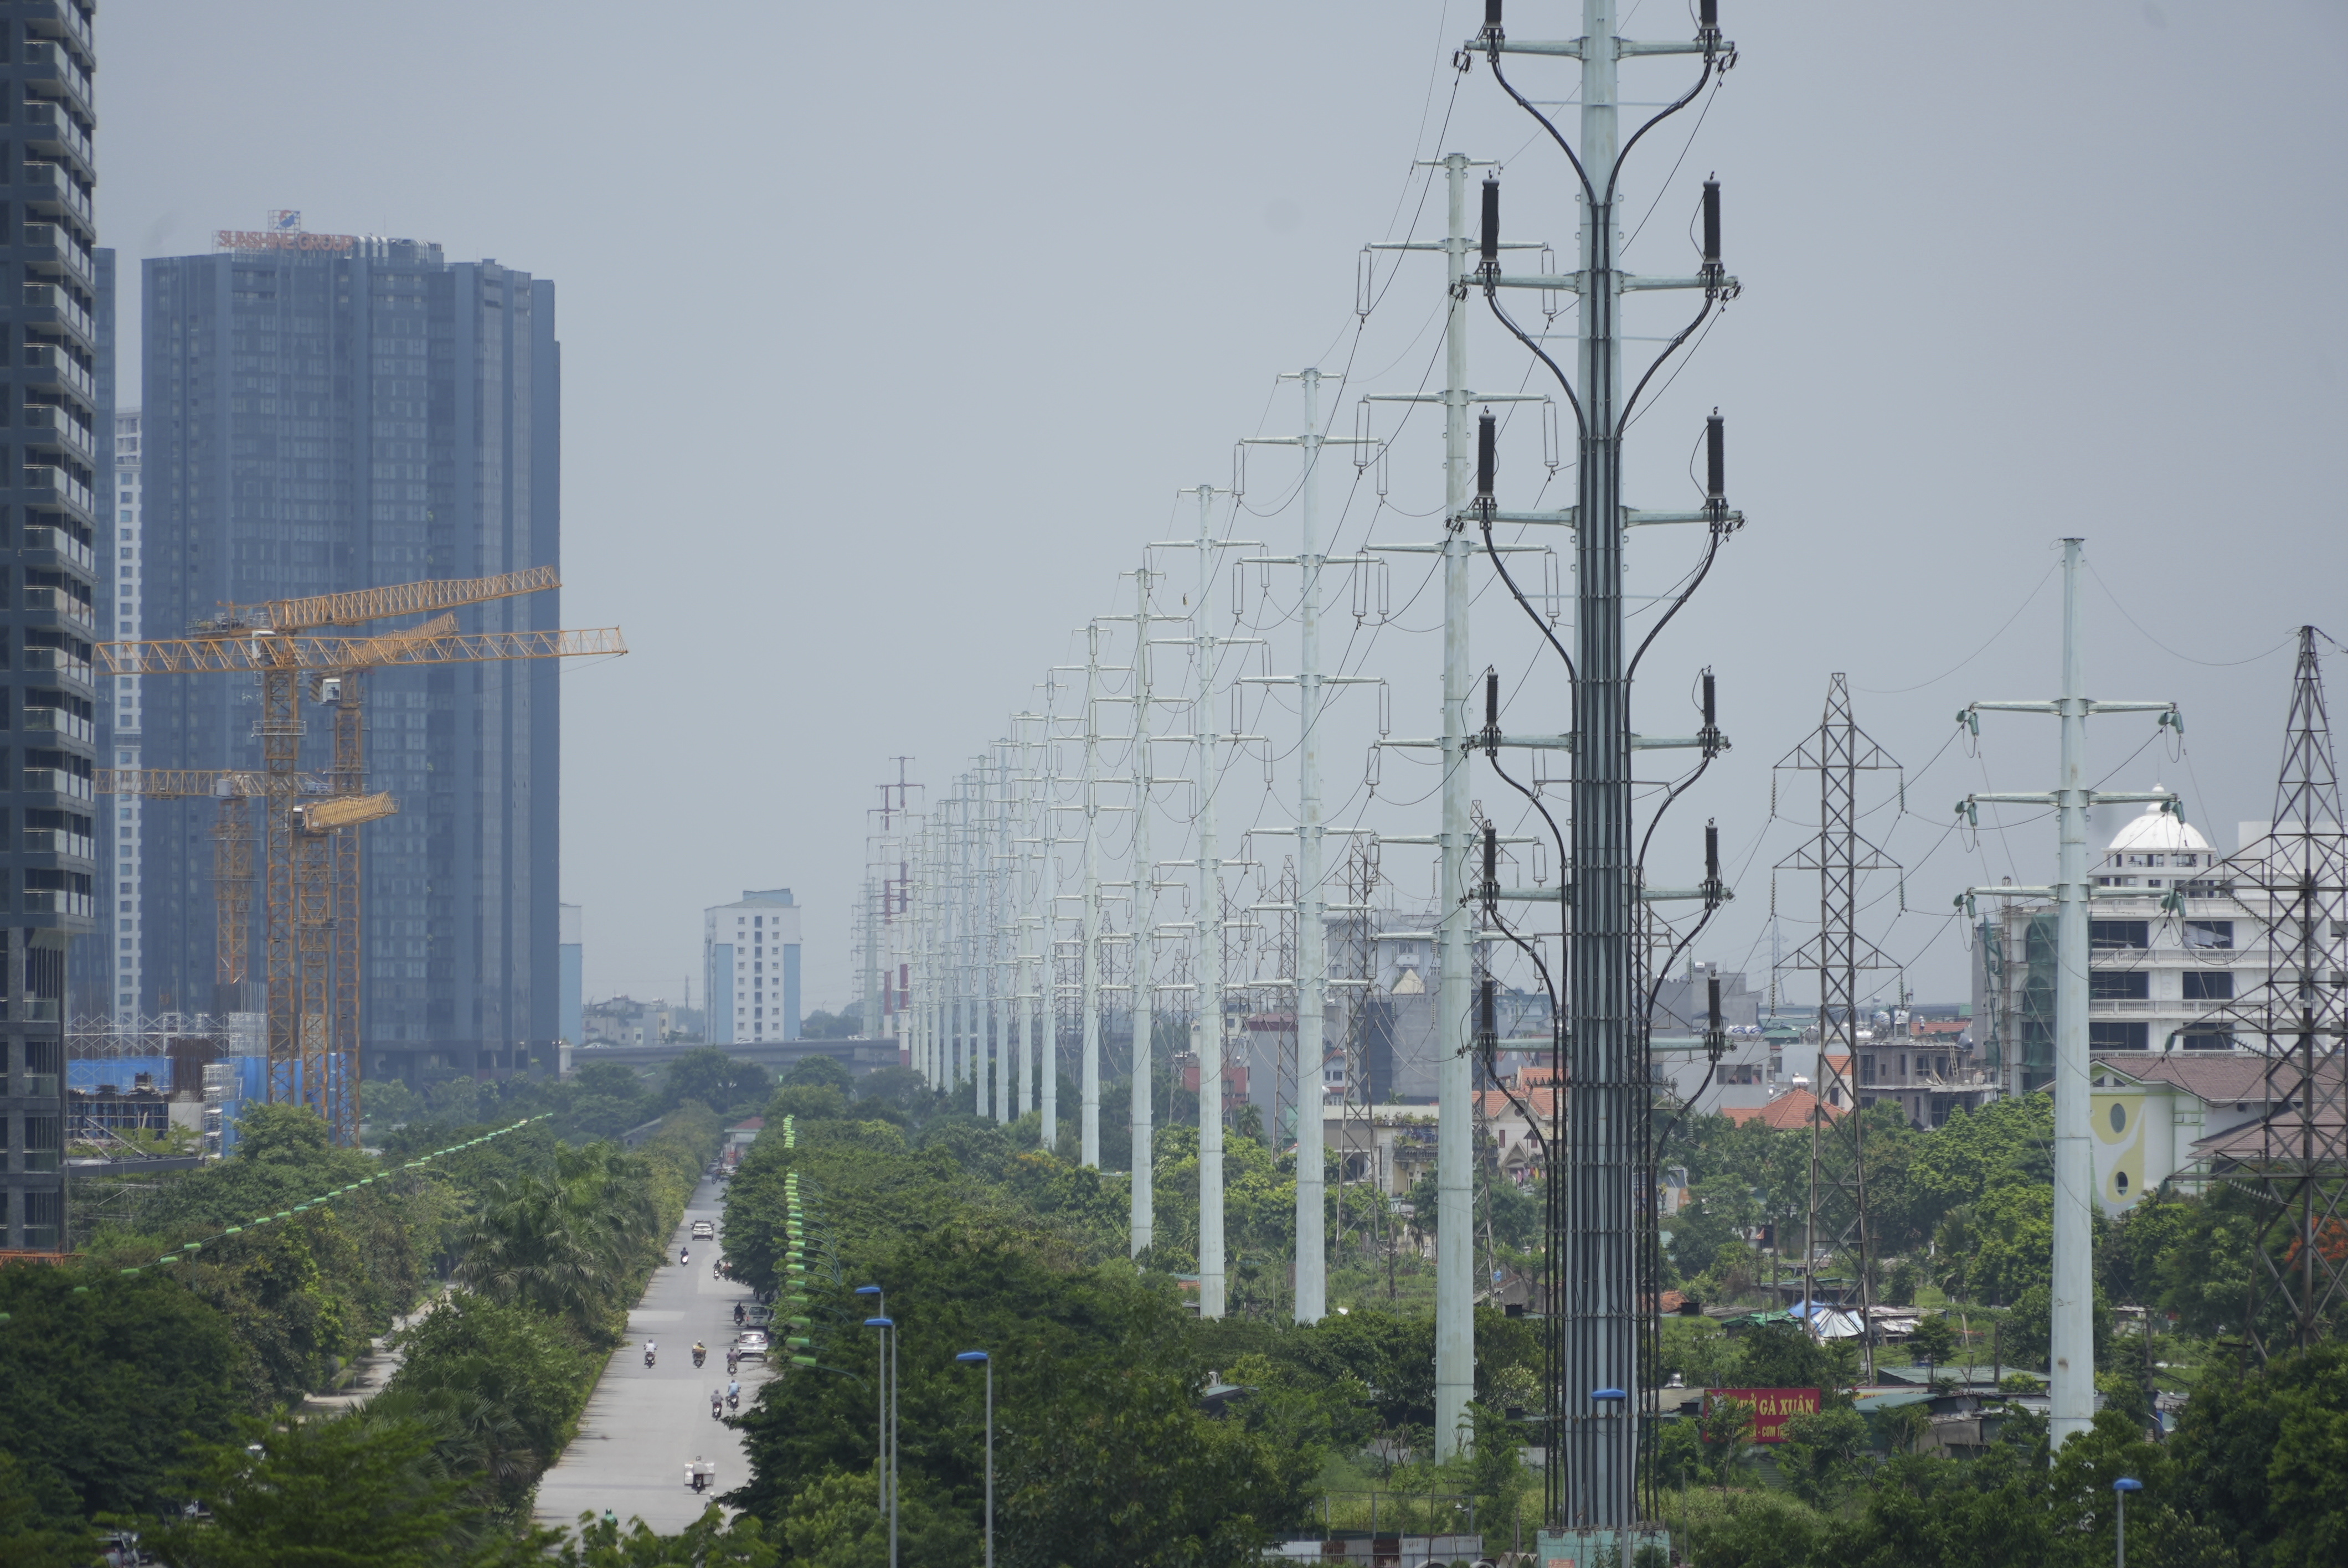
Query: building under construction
[329,412]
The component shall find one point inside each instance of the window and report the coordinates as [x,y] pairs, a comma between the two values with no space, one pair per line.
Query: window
[2209,985]
[2207,1042]
[2116,1036]
[2208,933]
[2118,985]
[2114,934]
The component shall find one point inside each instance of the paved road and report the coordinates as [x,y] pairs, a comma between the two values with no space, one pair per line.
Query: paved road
[642,1426]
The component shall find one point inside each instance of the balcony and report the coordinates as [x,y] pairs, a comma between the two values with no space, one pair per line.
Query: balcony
[36,1085]
[59,660]
[57,721]
[49,476]
[68,310]
[60,602]
[69,251]
[71,432]
[51,67]
[51,191]
[68,369]
[54,901]
[35,1009]
[58,781]
[57,841]
[54,132]
[68,20]
[40,1160]
[44,537]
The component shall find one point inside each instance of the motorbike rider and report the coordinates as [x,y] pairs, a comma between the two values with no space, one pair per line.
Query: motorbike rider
[717,1405]
[737,1315]
[684,1255]
[734,1396]
[700,1352]
[649,1348]
[733,1362]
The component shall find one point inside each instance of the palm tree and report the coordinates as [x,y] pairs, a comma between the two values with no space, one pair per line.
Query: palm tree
[536,1244]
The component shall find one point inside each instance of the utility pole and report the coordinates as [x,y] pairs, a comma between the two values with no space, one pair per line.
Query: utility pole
[1088,802]
[2292,1164]
[1311,903]
[1206,650]
[1141,1224]
[1454,1305]
[2072,1388]
[1837,753]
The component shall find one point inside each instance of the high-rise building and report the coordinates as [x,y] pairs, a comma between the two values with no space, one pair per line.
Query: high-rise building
[122,818]
[750,967]
[571,1019]
[54,395]
[325,411]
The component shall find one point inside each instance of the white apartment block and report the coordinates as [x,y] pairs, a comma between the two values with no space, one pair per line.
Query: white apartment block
[750,967]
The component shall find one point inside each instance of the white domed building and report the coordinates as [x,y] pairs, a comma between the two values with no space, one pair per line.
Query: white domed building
[2171,945]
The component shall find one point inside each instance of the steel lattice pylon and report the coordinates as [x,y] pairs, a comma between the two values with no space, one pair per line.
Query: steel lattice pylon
[1838,751]
[2294,1161]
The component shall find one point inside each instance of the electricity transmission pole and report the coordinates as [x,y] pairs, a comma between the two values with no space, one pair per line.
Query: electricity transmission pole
[1837,753]
[1088,802]
[1206,650]
[1600,1399]
[2294,1164]
[1312,902]
[1141,1224]
[2072,1386]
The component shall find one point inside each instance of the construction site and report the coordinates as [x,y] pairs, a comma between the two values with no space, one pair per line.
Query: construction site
[287,845]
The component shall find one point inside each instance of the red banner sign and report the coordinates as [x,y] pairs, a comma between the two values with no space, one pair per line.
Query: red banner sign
[1772,1407]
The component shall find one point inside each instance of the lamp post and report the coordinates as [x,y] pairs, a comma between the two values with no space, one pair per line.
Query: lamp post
[980,1359]
[2120,1490]
[888,1361]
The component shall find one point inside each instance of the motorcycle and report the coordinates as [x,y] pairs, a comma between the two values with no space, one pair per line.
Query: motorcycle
[699,1355]
[737,1315]
[733,1362]
[684,1255]
[734,1401]
[648,1358]
[716,1409]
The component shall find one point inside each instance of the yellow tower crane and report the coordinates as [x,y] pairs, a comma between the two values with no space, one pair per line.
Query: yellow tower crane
[312,892]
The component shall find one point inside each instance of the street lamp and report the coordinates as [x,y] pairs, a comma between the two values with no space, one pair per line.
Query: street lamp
[887,1417]
[980,1359]
[2120,1490]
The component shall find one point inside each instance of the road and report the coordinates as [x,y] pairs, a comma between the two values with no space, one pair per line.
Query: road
[642,1426]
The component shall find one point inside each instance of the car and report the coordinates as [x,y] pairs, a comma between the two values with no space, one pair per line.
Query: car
[704,1231]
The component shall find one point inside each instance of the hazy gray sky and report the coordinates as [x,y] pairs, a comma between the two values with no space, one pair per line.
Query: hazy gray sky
[888,331]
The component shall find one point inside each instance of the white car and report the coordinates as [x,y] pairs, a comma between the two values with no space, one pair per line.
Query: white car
[751,1342]
[704,1231]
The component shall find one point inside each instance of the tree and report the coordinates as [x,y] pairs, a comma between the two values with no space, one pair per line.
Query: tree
[1821,1455]
[103,1379]
[498,1386]
[338,1492]
[1934,1339]
[2264,1458]
[40,1527]
[825,1069]
[710,1542]
[717,1080]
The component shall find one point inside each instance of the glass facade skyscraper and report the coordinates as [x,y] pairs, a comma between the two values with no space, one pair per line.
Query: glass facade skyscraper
[327,412]
[56,396]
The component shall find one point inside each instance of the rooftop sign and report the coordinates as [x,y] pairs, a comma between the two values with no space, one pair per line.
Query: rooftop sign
[279,240]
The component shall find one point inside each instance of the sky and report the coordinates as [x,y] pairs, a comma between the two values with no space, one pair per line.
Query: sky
[890,332]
